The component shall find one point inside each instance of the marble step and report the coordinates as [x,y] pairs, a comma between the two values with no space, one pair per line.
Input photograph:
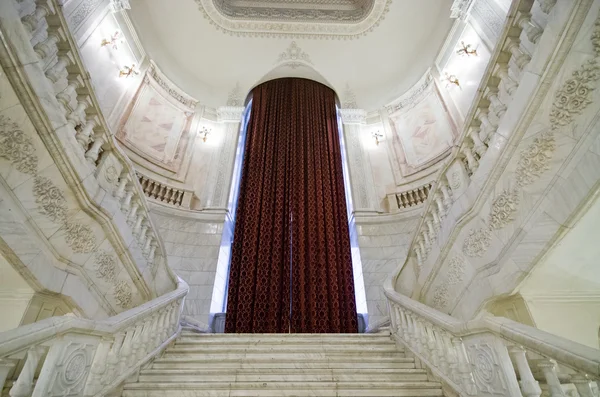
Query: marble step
[287,348]
[181,376]
[400,389]
[241,339]
[177,363]
[283,357]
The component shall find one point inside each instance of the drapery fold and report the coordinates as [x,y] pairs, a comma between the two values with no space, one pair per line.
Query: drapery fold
[291,268]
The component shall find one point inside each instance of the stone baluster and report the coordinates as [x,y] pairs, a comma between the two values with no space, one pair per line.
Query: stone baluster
[440,205]
[437,220]
[169,193]
[422,247]
[521,58]
[143,231]
[94,151]
[499,109]
[47,47]
[548,368]
[488,127]
[432,346]
[32,21]
[137,228]
[583,385]
[152,251]
[431,228]
[441,349]
[148,242]
[446,193]
[146,348]
[126,350]
[120,190]
[126,203]
[83,135]
[427,240]
[464,368]
[59,69]
[131,216]
[77,115]
[155,190]
[99,367]
[113,358]
[69,95]
[529,386]
[532,30]
[546,5]
[417,251]
[478,145]
[155,330]
[453,371]
[501,71]
[173,315]
[23,386]
[5,367]
[179,198]
[136,344]
[472,163]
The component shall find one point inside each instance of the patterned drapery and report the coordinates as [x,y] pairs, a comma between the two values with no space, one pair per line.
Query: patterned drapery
[291,267]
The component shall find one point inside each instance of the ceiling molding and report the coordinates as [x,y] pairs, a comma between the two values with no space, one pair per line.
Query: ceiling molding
[292,27]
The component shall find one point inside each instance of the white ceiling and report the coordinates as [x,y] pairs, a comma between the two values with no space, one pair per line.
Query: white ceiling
[207,63]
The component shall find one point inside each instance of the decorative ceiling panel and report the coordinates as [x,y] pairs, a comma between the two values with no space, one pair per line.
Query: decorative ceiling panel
[295,18]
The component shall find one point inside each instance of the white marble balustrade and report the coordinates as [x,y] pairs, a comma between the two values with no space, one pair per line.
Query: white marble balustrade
[488,110]
[492,355]
[84,357]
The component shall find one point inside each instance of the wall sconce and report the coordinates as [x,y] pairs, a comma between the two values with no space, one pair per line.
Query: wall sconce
[128,71]
[112,42]
[376,135]
[466,50]
[205,132]
[452,79]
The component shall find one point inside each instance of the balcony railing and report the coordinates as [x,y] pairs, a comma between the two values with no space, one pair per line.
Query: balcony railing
[164,193]
[408,199]
[492,355]
[81,357]
[47,65]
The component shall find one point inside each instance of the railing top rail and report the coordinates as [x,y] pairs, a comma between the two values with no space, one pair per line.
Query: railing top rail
[21,338]
[569,353]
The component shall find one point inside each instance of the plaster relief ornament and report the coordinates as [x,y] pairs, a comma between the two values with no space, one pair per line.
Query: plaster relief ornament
[50,199]
[455,180]
[17,147]
[456,271]
[235,97]
[535,159]
[477,242]
[293,56]
[80,237]
[503,208]
[122,294]
[440,297]
[106,267]
[349,98]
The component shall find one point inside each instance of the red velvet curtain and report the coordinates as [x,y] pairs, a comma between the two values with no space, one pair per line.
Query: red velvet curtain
[291,268]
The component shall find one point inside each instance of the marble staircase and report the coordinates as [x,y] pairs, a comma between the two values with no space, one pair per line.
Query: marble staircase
[283,365]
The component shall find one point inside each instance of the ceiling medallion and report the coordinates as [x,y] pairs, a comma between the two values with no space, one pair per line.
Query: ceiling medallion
[293,57]
[340,19]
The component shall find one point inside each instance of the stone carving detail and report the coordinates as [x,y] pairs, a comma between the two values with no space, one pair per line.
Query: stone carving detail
[293,56]
[455,180]
[460,9]
[294,22]
[122,294]
[486,371]
[17,147]
[84,9]
[111,174]
[120,5]
[413,96]
[456,271]
[234,99]
[75,367]
[503,208]
[575,95]
[440,297]
[106,266]
[50,199]
[80,237]
[535,159]
[72,370]
[477,242]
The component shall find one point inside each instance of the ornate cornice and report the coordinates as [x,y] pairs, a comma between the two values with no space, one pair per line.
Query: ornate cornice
[170,88]
[301,27]
[413,95]
[230,113]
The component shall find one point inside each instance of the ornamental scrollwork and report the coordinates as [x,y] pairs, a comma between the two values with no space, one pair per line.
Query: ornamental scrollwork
[504,208]
[80,237]
[122,294]
[456,270]
[535,159]
[17,147]
[486,371]
[50,199]
[477,242]
[440,297]
[106,266]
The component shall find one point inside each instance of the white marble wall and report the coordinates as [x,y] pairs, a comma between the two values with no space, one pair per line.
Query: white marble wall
[192,241]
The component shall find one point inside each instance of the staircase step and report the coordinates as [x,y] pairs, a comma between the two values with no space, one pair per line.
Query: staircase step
[279,389]
[236,364]
[287,349]
[274,357]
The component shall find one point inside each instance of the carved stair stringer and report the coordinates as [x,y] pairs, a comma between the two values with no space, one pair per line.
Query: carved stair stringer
[491,355]
[80,357]
[465,185]
[55,90]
